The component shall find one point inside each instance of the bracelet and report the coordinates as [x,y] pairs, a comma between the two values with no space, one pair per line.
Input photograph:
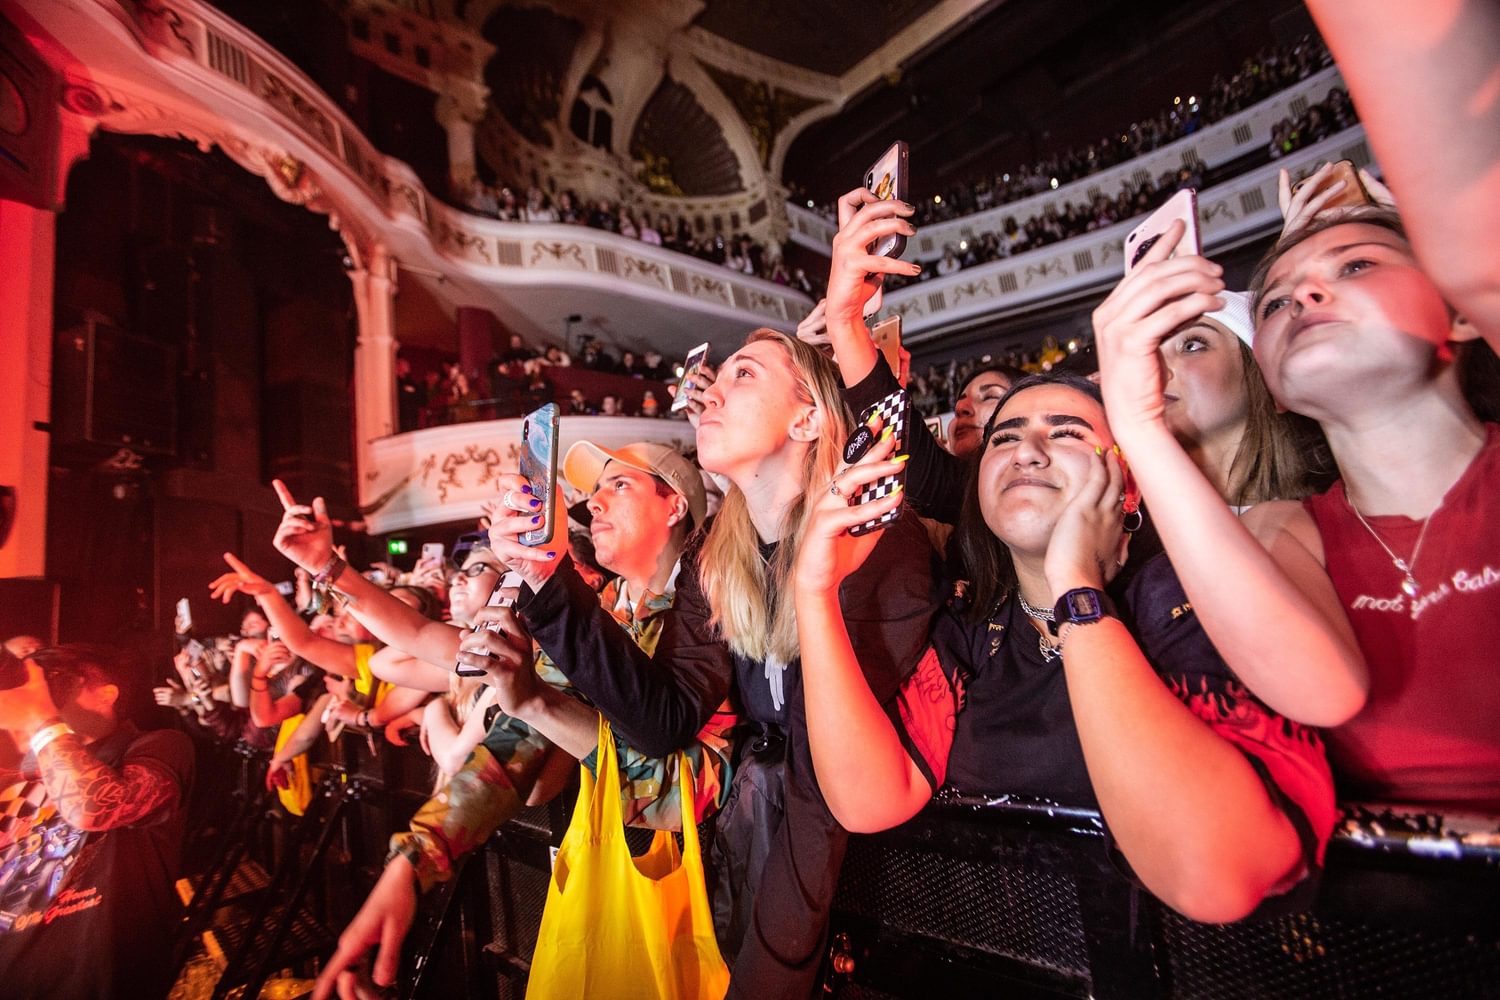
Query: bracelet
[44,736]
[1066,629]
[330,572]
[363,719]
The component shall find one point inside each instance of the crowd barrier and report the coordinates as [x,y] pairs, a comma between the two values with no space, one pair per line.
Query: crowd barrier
[972,898]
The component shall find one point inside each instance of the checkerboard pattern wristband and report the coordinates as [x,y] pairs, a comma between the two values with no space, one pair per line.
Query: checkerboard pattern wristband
[44,736]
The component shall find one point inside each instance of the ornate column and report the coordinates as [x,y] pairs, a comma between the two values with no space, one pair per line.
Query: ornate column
[458,114]
[374,359]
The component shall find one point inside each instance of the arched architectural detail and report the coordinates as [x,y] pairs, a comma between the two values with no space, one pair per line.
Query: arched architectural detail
[683,147]
[528,72]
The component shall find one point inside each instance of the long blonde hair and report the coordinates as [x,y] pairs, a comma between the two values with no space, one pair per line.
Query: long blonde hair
[751,600]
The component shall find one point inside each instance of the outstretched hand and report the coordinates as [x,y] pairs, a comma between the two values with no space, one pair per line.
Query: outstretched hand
[243,580]
[305,535]
[383,921]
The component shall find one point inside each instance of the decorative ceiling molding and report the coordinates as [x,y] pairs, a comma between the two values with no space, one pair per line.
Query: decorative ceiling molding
[766,110]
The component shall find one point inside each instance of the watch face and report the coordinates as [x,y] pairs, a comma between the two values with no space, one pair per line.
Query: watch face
[1083,605]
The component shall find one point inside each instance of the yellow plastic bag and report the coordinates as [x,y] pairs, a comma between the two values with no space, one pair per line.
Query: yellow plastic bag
[621,927]
[299,790]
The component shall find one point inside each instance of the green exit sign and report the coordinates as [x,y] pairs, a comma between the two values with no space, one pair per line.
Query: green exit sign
[396,546]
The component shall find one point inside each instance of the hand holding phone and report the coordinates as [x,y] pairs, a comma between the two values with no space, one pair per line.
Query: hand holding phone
[539,466]
[894,411]
[499,598]
[432,551]
[690,366]
[1332,186]
[1181,207]
[887,179]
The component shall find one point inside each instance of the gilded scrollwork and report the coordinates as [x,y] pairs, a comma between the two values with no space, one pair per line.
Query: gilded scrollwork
[1046,269]
[649,269]
[973,290]
[467,242]
[560,253]
[303,112]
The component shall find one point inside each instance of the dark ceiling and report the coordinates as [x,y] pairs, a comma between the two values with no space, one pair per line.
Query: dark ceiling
[1028,77]
[829,36]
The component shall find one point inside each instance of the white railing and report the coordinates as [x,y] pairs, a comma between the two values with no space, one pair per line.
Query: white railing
[1229,214]
[385,194]
[443,474]
[1216,144]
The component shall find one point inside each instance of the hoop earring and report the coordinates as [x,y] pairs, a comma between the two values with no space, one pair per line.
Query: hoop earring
[1140,519]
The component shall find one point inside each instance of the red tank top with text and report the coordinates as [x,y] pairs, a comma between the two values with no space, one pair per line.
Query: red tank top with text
[1430,732]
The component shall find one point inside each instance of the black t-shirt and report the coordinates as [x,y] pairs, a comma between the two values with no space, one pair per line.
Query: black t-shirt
[86,915]
[1015,732]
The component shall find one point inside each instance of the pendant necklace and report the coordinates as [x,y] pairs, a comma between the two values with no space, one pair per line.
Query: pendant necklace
[1409,585]
[1049,652]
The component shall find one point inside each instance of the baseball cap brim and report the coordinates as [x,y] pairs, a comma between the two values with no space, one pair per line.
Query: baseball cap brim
[585,461]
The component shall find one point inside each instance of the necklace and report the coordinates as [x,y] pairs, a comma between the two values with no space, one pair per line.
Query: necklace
[1040,614]
[1409,585]
[1049,652]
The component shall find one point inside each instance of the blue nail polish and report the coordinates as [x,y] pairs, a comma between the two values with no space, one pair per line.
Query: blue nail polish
[537,519]
[525,489]
[535,503]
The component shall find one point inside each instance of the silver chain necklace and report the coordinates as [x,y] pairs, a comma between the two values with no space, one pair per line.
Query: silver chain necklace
[1049,652]
[1409,585]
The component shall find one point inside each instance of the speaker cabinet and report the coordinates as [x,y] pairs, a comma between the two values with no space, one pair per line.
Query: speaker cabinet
[116,390]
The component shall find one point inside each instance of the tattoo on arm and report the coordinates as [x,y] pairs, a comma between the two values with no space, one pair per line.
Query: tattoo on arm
[93,796]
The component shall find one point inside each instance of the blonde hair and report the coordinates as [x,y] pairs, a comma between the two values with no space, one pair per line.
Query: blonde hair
[751,600]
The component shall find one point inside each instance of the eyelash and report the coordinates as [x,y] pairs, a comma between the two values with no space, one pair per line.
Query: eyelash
[1199,342]
[1345,269]
[1005,437]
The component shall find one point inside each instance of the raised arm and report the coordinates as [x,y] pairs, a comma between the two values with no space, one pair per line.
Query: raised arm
[855,274]
[305,536]
[868,779]
[1185,806]
[89,794]
[327,654]
[1256,601]
[1426,77]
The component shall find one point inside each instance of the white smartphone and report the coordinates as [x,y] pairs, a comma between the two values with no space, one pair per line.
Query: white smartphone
[432,551]
[1182,205]
[690,367]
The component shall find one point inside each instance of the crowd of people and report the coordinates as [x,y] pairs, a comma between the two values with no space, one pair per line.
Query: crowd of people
[1261,76]
[738,252]
[514,381]
[1207,590]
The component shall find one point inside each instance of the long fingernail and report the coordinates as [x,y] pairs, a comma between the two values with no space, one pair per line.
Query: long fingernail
[525,489]
[1098,450]
[535,503]
[885,434]
[537,519]
[1117,449]
[901,458]
[897,488]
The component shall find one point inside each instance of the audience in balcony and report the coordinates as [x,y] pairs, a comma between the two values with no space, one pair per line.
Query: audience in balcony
[1261,76]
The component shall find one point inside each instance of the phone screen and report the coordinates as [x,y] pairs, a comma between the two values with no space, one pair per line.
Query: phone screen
[690,367]
[539,465]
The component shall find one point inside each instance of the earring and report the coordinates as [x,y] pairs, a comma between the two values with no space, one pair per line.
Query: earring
[1140,519]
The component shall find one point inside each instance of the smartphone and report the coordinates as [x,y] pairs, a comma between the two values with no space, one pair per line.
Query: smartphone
[539,466]
[509,581]
[1354,194]
[197,653]
[184,622]
[690,367]
[432,551]
[887,337]
[894,412]
[886,179]
[1184,206]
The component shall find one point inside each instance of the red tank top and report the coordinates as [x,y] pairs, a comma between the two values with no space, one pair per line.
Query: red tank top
[1430,732]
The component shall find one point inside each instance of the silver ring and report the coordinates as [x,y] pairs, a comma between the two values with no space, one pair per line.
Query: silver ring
[505,500]
[833,488]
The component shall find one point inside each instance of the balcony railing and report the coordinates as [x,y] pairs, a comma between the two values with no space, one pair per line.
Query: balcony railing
[1228,214]
[227,86]
[1218,144]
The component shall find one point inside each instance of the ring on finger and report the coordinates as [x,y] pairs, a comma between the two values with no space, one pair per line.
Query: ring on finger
[833,488]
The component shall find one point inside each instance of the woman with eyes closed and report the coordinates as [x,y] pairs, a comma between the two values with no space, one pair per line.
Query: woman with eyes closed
[771,422]
[1068,688]
[1353,332]
[975,403]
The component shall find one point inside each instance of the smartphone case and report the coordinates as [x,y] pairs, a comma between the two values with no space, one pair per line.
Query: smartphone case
[887,179]
[690,366]
[894,411]
[1182,205]
[539,466]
